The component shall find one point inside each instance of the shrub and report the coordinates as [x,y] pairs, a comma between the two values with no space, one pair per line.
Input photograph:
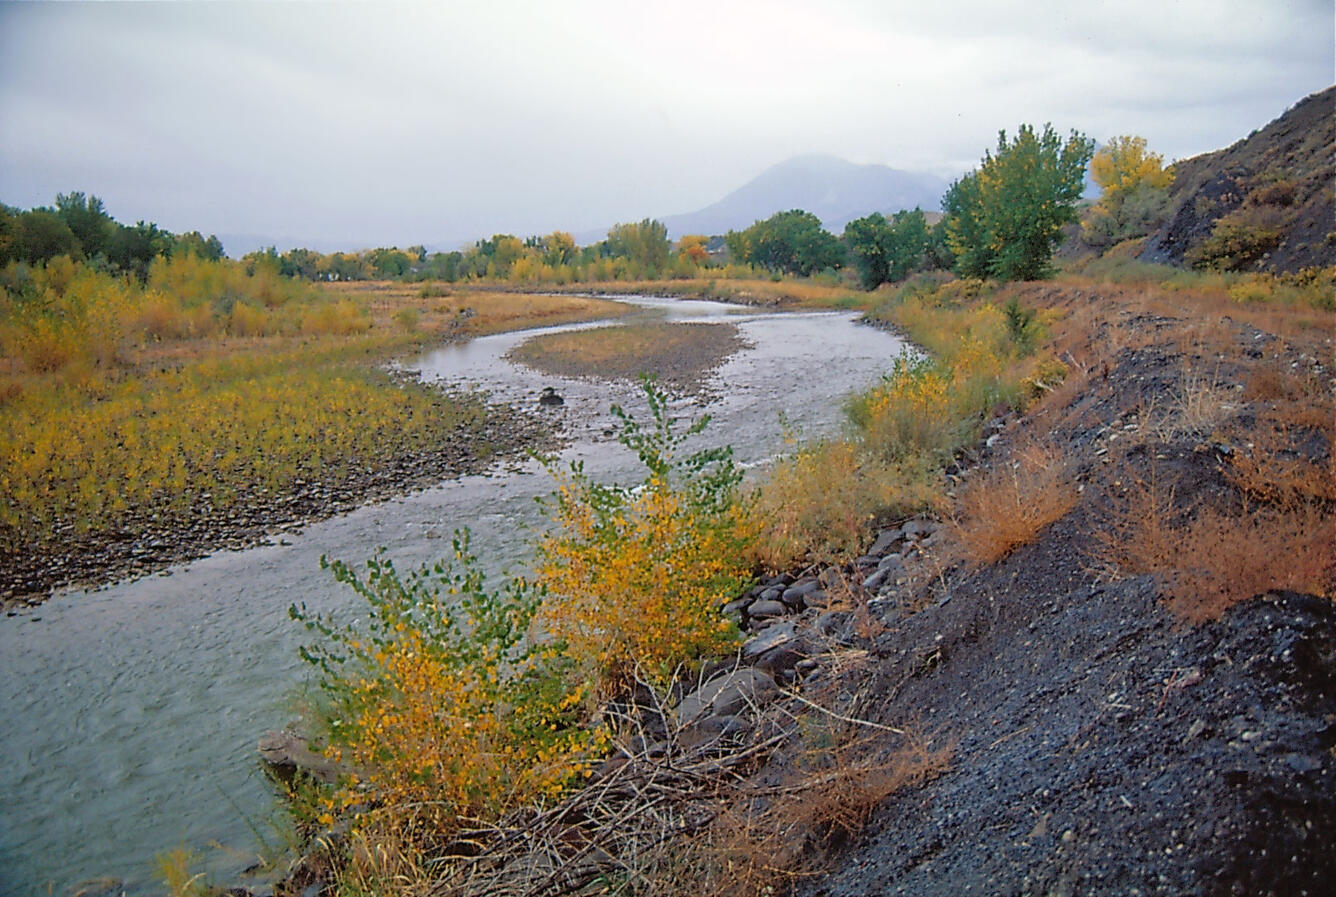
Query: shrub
[1208,559]
[1236,242]
[637,575]
[910,412]
[817,504]
[1008,508]
[439,704]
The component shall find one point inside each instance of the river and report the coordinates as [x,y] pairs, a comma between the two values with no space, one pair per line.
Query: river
[131,712]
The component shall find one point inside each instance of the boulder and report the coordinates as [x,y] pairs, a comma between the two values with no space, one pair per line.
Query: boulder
[727,694]
[761,610]
[885,539]
[287,752]
[891,562]
[735,607]
[794,594]
[917,529]
[818,599]
[713,729]
[782,659]
[772,637]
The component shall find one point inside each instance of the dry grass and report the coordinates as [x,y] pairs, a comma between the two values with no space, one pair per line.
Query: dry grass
[461,312]
[1200,405]
[1208,558]
[1012,505]
[820,503]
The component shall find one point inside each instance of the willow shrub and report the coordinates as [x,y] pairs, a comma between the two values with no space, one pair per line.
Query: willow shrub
[635,576]
[439,703]
[458,702]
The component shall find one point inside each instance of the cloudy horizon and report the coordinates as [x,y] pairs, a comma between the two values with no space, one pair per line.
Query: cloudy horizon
[378,124]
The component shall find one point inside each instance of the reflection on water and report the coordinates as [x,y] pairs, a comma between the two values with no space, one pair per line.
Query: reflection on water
[132,712]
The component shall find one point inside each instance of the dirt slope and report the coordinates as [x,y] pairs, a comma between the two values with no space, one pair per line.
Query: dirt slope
[1104,743]
[1274,188]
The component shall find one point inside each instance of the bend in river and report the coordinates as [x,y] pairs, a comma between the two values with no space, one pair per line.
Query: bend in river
[134,710]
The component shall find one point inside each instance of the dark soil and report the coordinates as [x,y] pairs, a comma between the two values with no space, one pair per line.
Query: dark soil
[1278,178]
[159,538]
[1104,745]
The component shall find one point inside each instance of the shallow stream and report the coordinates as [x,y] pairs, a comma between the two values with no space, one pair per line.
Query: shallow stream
[131,712]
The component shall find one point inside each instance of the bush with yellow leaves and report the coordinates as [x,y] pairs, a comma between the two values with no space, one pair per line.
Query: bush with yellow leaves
[635,576]
[440,707]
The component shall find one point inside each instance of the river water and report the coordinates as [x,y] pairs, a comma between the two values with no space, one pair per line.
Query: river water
[131,712]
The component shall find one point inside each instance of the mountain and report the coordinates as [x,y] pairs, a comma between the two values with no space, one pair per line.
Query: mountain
[834,190]
[1264,203]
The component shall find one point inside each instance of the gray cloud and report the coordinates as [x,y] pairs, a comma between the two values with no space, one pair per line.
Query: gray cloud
[399,123]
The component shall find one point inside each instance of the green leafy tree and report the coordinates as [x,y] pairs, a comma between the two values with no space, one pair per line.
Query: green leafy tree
[195,243]
[1005,218]
[887,250]
[40,234]
[869,242]
[558,248]
[388,263]
[87,220]
[444,266]
[937,253]
[133,249]
[792,241]
[300,263]
[644,242]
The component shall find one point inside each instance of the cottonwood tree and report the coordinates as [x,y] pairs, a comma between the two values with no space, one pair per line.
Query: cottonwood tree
[645,243]
[792,241]
[1135,198]
[886,250]
[1005,218]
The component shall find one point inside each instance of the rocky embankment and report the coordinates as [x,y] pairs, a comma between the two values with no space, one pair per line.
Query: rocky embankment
[1104,742]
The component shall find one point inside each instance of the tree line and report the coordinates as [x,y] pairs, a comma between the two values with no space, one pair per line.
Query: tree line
[1002,220]
[79,227]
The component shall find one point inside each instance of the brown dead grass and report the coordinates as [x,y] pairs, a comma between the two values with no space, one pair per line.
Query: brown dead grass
[1208,558]
[787,293]
[1012,504]
[461,312]
[763,847]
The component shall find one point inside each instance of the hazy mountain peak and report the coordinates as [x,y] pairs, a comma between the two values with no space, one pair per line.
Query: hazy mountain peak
[834,189]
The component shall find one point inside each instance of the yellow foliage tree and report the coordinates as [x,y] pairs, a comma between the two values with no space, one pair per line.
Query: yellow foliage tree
[1123,164]
[692,247]
[1136,192]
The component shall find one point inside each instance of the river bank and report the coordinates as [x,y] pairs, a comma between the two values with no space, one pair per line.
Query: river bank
[185,442]
[1103,669]
[155,539]
[142,701]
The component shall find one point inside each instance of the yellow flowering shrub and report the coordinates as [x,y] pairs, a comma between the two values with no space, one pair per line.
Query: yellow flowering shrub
[636,576]
[439,703]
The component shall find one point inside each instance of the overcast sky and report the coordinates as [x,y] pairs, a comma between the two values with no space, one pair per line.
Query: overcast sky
[380,123]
